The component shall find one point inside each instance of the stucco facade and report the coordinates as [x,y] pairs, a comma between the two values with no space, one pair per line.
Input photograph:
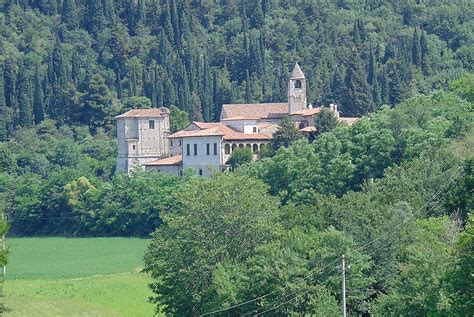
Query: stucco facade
[141,137]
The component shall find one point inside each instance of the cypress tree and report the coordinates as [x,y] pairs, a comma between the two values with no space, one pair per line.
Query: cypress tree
[416,49]
[358,96]
[167,21]
[337,87]
[118,85]
[3,108]
[206,94]
[371,72]
[69,14]
[38,108]
[75,68]
[384,89]
[376,93]
[248,91]
[94,19]
[425,66]
[10,91]
[25,118]
[195,112]
[215,97]
[175,22]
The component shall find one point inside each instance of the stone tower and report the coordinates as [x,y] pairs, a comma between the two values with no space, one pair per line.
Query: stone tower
[141,137]
[296,91]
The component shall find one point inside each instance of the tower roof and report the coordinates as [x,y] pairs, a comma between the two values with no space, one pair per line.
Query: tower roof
[297,72]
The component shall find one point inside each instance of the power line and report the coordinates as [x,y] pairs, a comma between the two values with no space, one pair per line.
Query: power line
[453,177]
[458,172]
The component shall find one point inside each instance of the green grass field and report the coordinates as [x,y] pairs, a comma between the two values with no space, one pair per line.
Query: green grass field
[76,277]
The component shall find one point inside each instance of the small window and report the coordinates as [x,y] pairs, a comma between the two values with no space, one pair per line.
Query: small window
[207,149]
[171,142]
[255,148]
[195,149]
[298,84]
[179,143]
[133,146]
[200,172]
[151,124]
[188,149]
[215,148]
[254,129]
[227,149]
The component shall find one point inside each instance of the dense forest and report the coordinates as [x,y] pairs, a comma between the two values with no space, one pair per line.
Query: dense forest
[393,192]
[73,61]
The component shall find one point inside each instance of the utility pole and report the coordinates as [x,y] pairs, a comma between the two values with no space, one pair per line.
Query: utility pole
[343,286]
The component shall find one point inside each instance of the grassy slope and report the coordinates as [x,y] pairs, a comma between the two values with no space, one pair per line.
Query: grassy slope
[77,277]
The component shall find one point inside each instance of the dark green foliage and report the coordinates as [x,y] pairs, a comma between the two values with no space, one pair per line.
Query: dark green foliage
[3,109]
[325,121]
[240,156]
[96,104]
[179,119]
[286,134]
[38,109]
[357,99]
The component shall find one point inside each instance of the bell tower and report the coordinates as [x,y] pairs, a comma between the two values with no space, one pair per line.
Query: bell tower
[296,91]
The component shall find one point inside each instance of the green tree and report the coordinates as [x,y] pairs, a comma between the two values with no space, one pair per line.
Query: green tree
[136,102]
[3,109]
[179,119]
[286,134]
[464,87]
[38,108]
[215,222]
[430,249]
[357,99]
[325,121]
[459,278]
[25,101]
[416,53]
[239,157]
[195,113]
[96,104]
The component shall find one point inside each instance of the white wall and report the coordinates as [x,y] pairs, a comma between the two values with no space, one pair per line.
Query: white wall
[137,143]
[209,164]
[168,169]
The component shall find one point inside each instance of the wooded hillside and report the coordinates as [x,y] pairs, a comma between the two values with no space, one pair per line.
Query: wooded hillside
[72,60]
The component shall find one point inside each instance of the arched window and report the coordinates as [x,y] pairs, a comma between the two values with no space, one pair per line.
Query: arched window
[302,125]
[249,146]
[227,149]
[234,146]
[241,145]
[255,148]
[298,84]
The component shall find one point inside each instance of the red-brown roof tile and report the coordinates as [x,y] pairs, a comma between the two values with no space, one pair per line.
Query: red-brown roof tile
[144,113]
[258,110]
[173,160]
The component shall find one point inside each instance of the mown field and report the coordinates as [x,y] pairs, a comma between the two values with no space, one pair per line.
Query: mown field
[77,277]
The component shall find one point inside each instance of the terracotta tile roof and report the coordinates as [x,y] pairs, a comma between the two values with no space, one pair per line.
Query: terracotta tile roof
[308,112]
[219,129]
[143,113]
[206,125]
[258,110]
[348,120]
[173,160]
[237,118]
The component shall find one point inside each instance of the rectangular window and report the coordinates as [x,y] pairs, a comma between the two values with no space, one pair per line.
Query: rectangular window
[179,143]
[171,142]
[188,149]
[207,148]
[254,129]
[195,149]
[200,172]
[133,146]
[215,148]
[151,124]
